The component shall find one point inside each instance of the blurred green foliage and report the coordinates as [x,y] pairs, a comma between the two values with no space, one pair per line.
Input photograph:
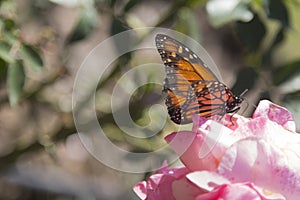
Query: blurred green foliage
[252,32]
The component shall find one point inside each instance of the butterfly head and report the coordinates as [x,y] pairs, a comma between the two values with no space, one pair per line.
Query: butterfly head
[238,100]
[234,105]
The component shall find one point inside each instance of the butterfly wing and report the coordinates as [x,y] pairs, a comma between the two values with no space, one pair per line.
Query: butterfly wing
[211,97]
[206,99]
[183,67]
[184,61]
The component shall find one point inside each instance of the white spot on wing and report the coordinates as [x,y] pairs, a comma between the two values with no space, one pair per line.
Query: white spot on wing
[180,49]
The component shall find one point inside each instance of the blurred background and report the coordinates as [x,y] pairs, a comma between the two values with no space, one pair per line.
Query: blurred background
[255,44]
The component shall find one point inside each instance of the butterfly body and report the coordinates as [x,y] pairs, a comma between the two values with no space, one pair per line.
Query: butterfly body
[190,86]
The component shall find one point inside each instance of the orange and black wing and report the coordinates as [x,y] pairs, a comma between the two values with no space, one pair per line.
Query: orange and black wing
[191,88]
[183,67]
[206,99]
[212,97]
[184,61]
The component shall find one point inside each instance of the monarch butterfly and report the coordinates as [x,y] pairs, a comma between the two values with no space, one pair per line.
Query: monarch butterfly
[190,86]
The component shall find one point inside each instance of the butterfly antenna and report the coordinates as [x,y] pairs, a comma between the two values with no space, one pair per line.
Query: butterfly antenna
[253,105]
[246,101]
[243,93]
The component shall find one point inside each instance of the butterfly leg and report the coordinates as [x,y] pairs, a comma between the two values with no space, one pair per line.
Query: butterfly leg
[234,111]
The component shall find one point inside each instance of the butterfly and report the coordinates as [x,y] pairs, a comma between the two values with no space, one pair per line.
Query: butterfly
[191,88]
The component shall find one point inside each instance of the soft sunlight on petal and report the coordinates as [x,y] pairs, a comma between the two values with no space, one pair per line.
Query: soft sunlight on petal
[232,158]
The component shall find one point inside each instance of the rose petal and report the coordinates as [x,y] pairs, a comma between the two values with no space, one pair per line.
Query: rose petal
[159,185]
[167,183]
[207,180]
[232,192]
[141,189]
[275,113]
[244,191]
[219,187]
[259,162]
[185,190]
[201,150]
[187,145]
[232,158]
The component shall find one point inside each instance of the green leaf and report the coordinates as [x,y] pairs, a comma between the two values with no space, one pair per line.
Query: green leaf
[277,10]
[4,52]
[2,69]
[31,57]
[286,72]
[9,38]
[9,24]
[246,79]
[221,12]
[84,26]
[195,3]
[252,33]
[15,81]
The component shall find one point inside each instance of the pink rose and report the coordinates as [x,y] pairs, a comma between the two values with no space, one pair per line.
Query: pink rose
[236,158]
[167,183]
[218,187]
